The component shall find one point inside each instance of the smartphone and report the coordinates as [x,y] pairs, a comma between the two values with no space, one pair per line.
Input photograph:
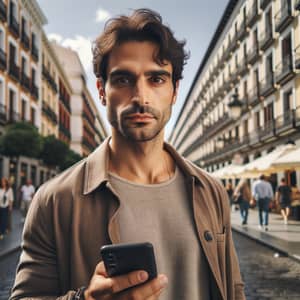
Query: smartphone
[121,259]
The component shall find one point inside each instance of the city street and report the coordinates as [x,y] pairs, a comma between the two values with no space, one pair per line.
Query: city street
[265,276]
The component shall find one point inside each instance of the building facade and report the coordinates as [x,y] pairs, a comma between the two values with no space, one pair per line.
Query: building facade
[254,54]
[85,136]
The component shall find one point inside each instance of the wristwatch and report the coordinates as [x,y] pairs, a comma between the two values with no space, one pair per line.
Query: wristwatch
[79,295]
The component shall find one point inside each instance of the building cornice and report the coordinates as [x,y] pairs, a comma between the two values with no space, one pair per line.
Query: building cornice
[35,12]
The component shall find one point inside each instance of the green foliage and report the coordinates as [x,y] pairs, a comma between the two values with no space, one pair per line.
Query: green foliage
[21,139]
[54,151]
[71,158]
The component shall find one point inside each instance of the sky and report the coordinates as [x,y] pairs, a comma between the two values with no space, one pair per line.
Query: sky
[76,23]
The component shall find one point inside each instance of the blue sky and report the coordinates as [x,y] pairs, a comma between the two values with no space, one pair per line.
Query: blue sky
[75,23]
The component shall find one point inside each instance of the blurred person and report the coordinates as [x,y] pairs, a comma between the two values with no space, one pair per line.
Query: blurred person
[283,197]
[262,192]
[6,204]
[230,190]
[243,193]
[133,188]
[27,192]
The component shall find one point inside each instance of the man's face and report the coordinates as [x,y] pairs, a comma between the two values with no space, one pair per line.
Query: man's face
[139,92]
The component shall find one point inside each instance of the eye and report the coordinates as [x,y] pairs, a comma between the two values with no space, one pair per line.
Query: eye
[121,80]
[157,79]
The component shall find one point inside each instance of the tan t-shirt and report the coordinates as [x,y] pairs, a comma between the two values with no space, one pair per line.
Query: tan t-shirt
[162,214]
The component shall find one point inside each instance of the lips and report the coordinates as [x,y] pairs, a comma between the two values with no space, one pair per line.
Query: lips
[142,118]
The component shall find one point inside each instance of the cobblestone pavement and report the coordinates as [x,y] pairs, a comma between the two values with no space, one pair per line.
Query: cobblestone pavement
[265,275]
[8,267]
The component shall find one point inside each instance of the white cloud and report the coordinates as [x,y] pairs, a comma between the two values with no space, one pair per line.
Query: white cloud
[102,15]
[55,37]
[80,44]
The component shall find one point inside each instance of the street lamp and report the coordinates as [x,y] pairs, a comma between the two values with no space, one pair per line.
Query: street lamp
[235,106]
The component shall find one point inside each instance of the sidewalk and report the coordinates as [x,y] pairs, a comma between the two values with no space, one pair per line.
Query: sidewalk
[12,241]
[284,239]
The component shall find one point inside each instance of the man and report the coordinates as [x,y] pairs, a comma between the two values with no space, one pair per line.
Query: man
[133,188]
[283,198]
[263,193]
[27,192]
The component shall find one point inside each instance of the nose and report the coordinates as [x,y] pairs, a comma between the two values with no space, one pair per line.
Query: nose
[141,94]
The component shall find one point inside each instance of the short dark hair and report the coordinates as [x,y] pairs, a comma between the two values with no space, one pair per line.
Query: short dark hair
[142,25]
[262,177]
[283,179]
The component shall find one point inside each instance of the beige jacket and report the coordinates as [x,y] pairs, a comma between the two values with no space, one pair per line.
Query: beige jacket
[76,213]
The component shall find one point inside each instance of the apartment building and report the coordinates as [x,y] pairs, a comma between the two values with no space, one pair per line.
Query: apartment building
[20,41]
[85,136]
[253,57]
[56,91]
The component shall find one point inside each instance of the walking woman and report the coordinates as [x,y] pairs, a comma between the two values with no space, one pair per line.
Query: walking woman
[242,196]
[6,204]
[283,197]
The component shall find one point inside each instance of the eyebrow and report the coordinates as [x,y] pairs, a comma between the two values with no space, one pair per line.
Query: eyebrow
[148,73]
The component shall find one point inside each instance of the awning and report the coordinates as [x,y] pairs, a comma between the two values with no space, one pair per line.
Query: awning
[290,160]
[265,164]
[226,172]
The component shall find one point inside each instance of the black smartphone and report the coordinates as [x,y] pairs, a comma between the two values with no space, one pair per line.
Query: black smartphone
[121,259]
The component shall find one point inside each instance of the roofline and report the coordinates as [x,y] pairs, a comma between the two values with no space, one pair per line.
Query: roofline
[219,30]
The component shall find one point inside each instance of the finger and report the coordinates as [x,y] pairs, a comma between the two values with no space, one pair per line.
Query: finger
[100,269]
[156,295]
[129,280]
[149,290]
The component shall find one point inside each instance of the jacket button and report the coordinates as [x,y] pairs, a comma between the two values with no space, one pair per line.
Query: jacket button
[208,236]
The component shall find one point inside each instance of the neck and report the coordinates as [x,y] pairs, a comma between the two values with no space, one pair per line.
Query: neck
[141,162]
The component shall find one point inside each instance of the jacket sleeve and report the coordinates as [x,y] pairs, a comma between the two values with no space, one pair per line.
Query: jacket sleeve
[37,275]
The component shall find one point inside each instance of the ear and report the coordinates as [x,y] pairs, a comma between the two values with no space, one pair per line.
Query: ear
[101,91]
[175,92]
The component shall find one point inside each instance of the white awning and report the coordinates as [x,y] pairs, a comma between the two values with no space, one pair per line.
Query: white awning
[229,171]
[290,160]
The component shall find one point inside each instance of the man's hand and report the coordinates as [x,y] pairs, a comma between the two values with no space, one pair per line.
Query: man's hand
[130,286]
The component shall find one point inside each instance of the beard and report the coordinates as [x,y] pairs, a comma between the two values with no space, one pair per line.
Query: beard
[140,131]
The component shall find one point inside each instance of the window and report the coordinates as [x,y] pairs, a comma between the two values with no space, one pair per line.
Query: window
[33,175]
[32,115]
[2,40]
[24,26]
[269,113]
[13,10]
[268,21]
[12,103]
[287,100]
[23,111]
[24,65]
[245,127]
[33,75]
[12,53]
[2,92]
[286,48]
[256,120]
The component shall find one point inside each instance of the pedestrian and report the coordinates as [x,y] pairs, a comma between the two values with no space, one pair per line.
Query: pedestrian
[283,198]
[230,190]
[27,192]
[242,193]
[6,204]
[133,188]
[263,193]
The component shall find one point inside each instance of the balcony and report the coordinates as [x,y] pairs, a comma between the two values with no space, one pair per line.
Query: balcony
[266,39]
[46,109]
[297,5]
[254,54]
[3,118]
[286,122]
[2,60]
[242,68]
[14,71]
[34,90]
[25,40]
[3,11]
[284,70]
[13,116]
[268,131]
[25,81]
[254,136]
[253,14]
[254,96]
[283,17]
[14,26]
[264,3]
[267,85]
[66,132]
[242,31]
[89,145]
[35,52]
[227,53]
[49,79]
[65,102]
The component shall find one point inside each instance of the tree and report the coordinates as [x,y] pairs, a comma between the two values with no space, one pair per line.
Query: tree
[71,158]
[54,151]
[21,138]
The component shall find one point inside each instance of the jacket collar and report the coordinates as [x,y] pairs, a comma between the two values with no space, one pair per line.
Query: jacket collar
[96,167]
